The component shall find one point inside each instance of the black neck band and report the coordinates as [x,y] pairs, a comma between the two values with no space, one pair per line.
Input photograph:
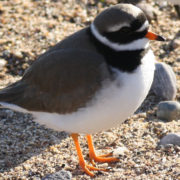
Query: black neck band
[126,61]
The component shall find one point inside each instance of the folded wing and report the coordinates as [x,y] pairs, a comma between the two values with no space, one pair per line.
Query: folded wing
[61,81]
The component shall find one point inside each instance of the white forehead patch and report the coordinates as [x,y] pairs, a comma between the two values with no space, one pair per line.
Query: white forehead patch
[117,27]
[143,27]
[134,10]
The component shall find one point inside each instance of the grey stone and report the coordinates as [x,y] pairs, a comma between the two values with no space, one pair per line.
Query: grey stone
[168,110]
[173,1]
[176,5]
[9,112]
[148,10]
[164,83]
[60,175]
[171,138]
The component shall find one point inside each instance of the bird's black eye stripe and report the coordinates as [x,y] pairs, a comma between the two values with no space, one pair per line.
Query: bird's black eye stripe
[124,37]
[128,34]
[125,30]
[114,35]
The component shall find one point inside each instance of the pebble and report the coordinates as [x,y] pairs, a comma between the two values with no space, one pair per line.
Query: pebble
[171,138]
[168,110]
[2,64]
[6,53]
[176,5]
[176,43]
[164,83]
[61,175]
[162,4]
[18,54]
[172,1]
[149,11]
[120,151]
[9,112]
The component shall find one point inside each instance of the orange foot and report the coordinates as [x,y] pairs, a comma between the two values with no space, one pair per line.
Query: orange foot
[102,158]
[87,168]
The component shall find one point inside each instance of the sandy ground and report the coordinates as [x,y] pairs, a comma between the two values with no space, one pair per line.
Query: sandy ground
[30,151]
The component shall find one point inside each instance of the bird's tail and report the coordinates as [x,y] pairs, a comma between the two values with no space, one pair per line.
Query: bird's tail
[12,93]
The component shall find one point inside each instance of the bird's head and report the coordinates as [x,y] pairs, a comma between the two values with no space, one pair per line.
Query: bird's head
[123,27]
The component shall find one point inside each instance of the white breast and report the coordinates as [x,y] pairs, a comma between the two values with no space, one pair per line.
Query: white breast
[111,106]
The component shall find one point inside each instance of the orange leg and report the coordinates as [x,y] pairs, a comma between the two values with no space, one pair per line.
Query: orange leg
[94,157]
[82,162]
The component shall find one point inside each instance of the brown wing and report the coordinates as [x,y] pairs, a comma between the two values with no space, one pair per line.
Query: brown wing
[61,81]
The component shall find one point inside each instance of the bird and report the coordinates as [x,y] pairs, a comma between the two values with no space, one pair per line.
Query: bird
[90,81]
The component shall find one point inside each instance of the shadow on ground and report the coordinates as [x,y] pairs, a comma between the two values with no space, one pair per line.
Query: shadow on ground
[21,138]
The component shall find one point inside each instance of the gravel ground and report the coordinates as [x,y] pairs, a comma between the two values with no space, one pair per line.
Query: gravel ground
[30,151]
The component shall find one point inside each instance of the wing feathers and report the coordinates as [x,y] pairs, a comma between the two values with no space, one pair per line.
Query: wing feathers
[61,81]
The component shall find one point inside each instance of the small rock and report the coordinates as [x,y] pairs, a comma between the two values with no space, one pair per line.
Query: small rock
[178,59]
[18,54]
[162,4]
[168,110]
[26,166]
[6,53]
[172,1]
[170,139]
[149,11]
[176,43]
[61,175]
[164,83]
[2,64]
[120,151]
[9,112]
[176,5]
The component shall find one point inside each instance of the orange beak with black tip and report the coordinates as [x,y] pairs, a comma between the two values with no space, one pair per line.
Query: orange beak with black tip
[153,36]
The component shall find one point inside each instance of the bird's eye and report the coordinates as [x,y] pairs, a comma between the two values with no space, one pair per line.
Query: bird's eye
[125,29]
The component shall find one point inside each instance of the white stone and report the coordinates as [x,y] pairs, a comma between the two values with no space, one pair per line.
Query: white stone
[120,151]
[2,63]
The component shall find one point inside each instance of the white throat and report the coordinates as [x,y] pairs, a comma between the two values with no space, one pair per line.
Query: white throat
[134,45]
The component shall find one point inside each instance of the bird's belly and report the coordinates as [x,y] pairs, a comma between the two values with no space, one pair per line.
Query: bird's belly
[110,107]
